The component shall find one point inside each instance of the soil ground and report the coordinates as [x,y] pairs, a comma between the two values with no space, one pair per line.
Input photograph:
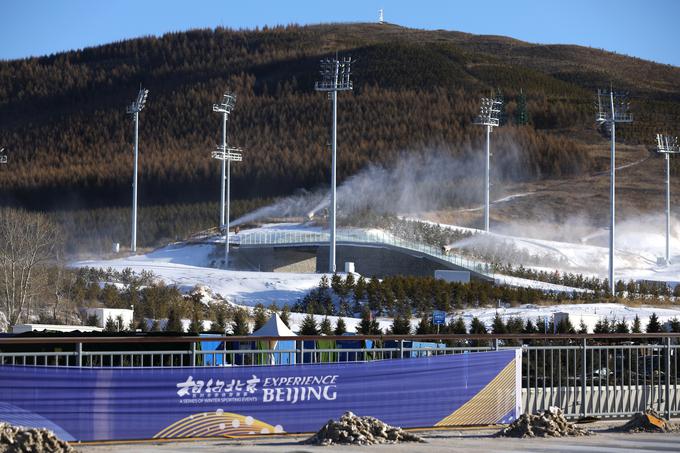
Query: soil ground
[476,440]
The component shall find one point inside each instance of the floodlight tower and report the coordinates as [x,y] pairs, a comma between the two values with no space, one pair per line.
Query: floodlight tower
[489,114]
[226,154]
[612,108]
[225,107]
[335,76]
[134,109]
[667,145]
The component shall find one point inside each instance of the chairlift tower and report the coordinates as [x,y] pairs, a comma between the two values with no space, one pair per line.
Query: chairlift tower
[134,109]
[489,116]
[227,155]
[335,76]
[612,108]
[667,145]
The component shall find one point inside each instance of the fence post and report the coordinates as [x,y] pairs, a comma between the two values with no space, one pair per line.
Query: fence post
[302,352]
[401,349]
[79,355]
[584,409]
[193,353]
[495,344]
[668,378]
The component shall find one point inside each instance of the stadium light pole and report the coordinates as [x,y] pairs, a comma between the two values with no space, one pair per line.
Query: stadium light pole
[225,108]
[335,76]
[612,109]
[667,145]
[134,109]
[228,155]
[489,115]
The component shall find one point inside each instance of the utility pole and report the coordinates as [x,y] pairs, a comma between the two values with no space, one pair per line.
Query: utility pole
[611,111]
[667,145]
[489,113]
[134,109]
[335,76]
[226,155]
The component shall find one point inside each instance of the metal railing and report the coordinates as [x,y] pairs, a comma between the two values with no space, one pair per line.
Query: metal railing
[585,375]
[358,236]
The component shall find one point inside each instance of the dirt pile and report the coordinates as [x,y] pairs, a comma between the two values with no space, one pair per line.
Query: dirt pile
[17,439]
[355,430]
[550,423]
[648,421]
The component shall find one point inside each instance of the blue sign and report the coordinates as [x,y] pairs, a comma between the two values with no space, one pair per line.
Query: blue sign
[137,403]
[438,317]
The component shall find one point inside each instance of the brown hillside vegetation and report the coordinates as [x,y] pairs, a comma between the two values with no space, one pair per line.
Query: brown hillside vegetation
[62,117]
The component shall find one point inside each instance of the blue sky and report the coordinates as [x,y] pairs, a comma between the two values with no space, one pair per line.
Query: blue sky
[648,29]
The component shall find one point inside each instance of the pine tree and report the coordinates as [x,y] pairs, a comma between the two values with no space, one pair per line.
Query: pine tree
[529,328]
[498,326]
[111,325]
[195,326]
[325,326]
[285,315]
[309,326]
[401,324]
[521,112]
[637,325]
[260,316]
[368,325]
[477,326]
[582,327]
[458,326]
[174,324]
[240,325]
[340,327]
[621,327]
[654,326]
[675,325]
[220,323]
[424,326]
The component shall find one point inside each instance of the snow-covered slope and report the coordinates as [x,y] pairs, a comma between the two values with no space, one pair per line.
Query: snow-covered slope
[187,266]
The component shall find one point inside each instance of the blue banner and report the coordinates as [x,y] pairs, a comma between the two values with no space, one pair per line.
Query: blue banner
[136,403]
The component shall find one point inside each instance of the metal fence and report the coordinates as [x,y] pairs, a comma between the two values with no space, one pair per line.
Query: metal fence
[358,236]
[585,375]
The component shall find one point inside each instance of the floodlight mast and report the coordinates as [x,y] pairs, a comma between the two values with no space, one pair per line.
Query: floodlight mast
[335,76]
[225,108]
[611,111]
[134,109]
[667,145]
[489,116]
[226,154]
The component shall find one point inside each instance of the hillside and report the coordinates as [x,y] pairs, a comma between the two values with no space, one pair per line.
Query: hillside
[62,117]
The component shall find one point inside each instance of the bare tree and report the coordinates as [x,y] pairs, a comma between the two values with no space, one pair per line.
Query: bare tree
[28,242]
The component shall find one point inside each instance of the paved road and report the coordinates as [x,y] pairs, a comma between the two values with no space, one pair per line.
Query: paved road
[437,441]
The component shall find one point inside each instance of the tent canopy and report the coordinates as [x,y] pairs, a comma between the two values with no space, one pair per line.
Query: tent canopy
[274,328]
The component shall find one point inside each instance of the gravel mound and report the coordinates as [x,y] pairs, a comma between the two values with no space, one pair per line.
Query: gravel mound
[550,423]
[17,439]
[648,421]
[355,430]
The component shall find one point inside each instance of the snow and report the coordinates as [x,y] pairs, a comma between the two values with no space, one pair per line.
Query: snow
[543,286]
[638,246]
[186,266]
[609,311]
